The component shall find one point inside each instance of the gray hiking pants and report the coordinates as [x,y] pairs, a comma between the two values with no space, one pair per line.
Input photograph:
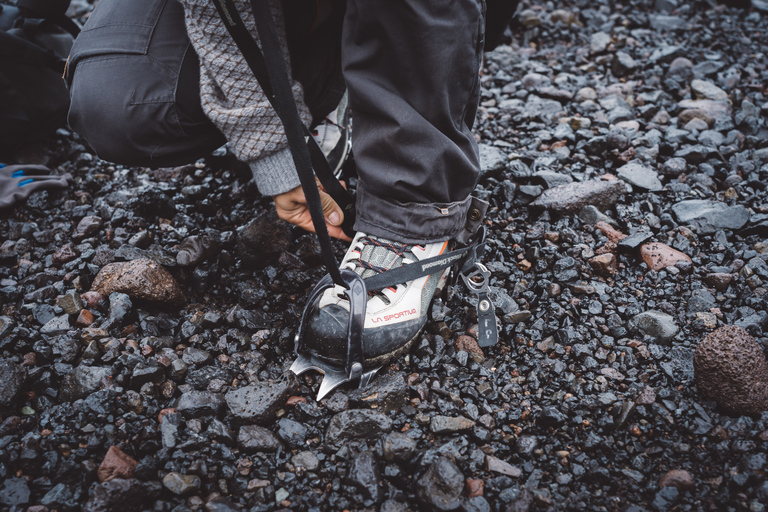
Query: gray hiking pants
[410,66]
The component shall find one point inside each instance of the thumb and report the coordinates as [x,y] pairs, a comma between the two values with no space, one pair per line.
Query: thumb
[331,210]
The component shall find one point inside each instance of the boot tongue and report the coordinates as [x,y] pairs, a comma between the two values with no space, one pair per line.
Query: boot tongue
[383,257]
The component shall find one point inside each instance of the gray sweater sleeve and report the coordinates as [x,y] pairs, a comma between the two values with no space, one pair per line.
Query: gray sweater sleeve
[233,100]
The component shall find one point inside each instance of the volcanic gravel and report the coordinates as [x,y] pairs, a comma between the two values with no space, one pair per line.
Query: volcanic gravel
[625,156]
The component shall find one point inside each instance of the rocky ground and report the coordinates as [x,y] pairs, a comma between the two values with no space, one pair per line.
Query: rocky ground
[625,157]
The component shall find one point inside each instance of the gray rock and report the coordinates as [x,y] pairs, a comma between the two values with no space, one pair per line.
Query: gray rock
[708,91]
[640,176]
[656,324]
[622,64]
[665,54]
[541,109]
[441,486]
[120,306]
[720,111]
[535,81]
[590,215]
[701,300]
[181,485]
[674,166]
[695,154]
[664,23]
[365,475]
[598,43]
[711,216]
[193,404]
[386,393]
[169,429]
[706,68]
[254,438]
[115,494]
[81,382]
[356,425]
[14,492]
[491,158]
[56,325]
[447,424]
[496,465]
[143,374]
[12,377]
[573,197]
[71,302]
[552,179]
[60,496]
[634,241]
[398,447]
[306,460]
[679,368]
[292,432]
[259,403]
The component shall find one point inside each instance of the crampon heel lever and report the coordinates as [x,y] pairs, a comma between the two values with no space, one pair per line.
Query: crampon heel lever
[355,363]
[477,282]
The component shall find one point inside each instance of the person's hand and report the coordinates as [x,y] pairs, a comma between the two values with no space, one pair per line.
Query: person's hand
[292,207]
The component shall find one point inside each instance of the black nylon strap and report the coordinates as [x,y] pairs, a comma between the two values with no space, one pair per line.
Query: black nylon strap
[465,257]
[269,69]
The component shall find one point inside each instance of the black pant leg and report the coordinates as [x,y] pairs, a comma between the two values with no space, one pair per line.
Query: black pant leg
[411,68]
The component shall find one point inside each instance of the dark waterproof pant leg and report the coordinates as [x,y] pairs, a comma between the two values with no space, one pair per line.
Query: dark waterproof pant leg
[134,86]
[411,68]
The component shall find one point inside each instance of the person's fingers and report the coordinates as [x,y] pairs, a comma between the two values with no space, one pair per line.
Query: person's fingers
[332,212]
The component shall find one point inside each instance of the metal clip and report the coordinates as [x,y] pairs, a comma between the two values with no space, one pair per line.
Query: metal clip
[477,282]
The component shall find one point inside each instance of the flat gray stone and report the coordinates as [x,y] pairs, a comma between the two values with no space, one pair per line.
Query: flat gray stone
[711,216]
[491,158]
[573,197]
[199,403]
[259,403]
[640,176]
[655,324]
[12,377]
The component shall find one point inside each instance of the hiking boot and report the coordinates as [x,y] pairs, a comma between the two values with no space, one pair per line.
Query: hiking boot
[333,136]
[394,316]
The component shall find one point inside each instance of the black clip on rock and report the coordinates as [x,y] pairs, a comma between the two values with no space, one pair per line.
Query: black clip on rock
[354,367]
[477,282]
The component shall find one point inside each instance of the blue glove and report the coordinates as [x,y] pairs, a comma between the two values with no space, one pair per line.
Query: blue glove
[18,181]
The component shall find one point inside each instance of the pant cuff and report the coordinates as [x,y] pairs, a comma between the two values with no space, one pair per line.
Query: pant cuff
[415,223]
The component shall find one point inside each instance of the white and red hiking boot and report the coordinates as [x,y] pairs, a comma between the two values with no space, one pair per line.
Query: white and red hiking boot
[394,315]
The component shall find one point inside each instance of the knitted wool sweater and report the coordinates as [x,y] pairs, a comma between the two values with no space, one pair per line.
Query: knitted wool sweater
[234,101]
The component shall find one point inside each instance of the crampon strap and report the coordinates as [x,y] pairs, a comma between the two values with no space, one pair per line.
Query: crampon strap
[269,69]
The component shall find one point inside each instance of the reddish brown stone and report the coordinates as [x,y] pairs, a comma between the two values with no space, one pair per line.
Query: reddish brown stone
[65,254]
[170,410]
[92,299]
[84,319]
[730,368]
[468,344]
[30,359]
[679,478]
[718,280]
[659,256]
[614,235]
[604,264]
[473,487]
[116,464]
[295,400]
[141,279]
